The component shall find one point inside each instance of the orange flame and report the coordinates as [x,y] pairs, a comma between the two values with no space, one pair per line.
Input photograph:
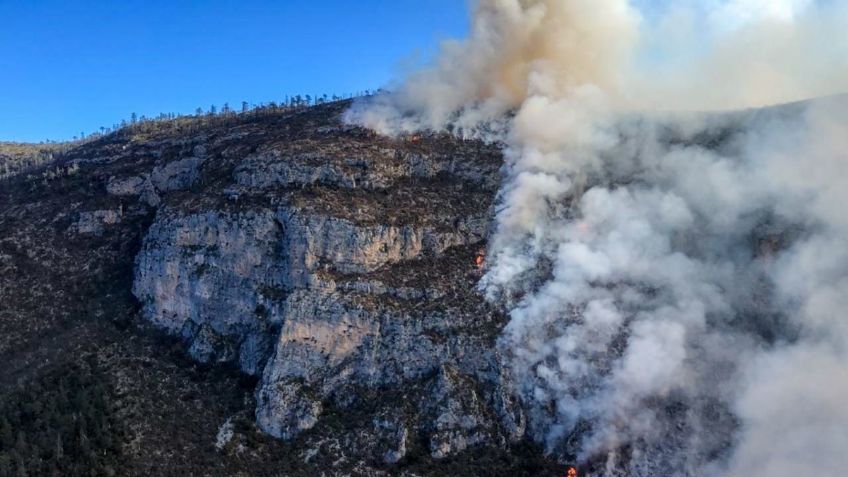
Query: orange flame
[572,472]
[480,260]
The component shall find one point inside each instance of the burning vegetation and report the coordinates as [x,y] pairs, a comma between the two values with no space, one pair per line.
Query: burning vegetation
[480,259]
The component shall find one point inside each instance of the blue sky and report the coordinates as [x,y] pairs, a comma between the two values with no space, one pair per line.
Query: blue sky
[71,66]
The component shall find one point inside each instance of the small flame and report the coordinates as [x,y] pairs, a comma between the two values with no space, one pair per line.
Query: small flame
[480,260]
[572,472]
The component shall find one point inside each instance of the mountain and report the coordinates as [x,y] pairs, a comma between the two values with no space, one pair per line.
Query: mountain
[269,293]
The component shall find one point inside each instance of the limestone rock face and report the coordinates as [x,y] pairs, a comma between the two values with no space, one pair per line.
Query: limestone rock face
[339,274]
[177,175]
[167,177]
[241,288]
[460,414]
[94,222]
[213,278]
[290,409]
[125,186]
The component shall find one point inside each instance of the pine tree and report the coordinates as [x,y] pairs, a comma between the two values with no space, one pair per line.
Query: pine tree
[6,436]
[5,465]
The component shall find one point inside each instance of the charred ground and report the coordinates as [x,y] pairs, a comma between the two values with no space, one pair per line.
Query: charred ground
[69,238]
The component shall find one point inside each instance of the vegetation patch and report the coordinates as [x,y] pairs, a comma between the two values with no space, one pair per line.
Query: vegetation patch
[64,423]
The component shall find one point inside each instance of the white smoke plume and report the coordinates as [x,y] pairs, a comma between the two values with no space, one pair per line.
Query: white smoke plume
[678,282]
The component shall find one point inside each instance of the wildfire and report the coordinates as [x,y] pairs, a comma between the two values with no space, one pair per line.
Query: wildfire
[480,260]
[572,472]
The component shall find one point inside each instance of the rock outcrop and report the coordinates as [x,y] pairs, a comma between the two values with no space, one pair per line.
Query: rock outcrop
[333,269]
[213,279]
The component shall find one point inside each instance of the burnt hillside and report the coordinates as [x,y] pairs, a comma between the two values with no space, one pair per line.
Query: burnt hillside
[262,294]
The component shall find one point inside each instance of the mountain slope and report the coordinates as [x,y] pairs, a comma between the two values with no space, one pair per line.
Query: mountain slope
[273,274]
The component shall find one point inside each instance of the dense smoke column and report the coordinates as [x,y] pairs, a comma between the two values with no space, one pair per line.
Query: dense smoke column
[659,287]
[677,282]
[682,301]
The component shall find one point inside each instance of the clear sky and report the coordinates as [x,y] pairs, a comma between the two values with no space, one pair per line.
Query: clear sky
[71,66]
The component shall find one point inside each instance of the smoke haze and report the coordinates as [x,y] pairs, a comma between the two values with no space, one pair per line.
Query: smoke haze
[677,281]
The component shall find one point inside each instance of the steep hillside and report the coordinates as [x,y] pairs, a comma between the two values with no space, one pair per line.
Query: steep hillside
[18,158]
[265,294]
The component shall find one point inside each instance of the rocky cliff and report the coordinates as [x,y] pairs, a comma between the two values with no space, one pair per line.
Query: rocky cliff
[334,267]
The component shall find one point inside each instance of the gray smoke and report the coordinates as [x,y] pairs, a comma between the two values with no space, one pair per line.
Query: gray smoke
[677,281]
[687,303]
